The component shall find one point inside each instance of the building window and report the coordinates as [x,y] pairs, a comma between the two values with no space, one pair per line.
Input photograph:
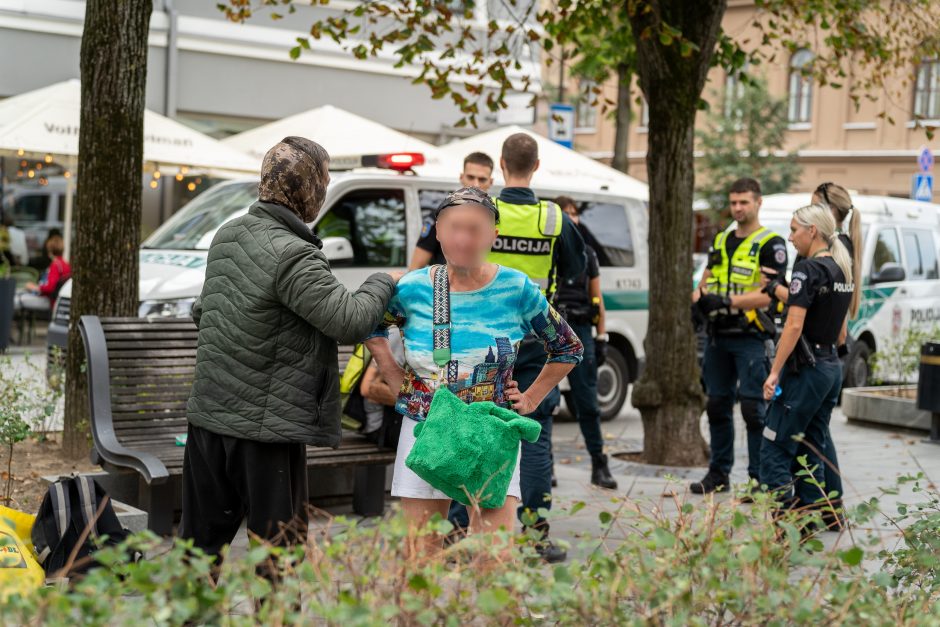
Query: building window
[585,107]
[644,112]
[734,90]
[801,87]
[927,91]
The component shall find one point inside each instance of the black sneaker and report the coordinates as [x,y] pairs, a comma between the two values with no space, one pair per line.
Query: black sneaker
[600,473]
[714,481]
[551,552]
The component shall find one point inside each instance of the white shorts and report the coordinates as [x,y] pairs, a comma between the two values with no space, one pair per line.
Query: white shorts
[405,483]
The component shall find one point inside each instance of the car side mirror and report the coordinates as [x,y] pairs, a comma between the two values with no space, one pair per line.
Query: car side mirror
[889,273]
[337,249]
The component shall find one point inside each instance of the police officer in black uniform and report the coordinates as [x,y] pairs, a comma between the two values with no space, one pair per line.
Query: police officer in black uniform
[806,376]
[578,300]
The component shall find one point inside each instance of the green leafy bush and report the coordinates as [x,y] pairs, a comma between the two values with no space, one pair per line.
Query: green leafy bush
[666,563]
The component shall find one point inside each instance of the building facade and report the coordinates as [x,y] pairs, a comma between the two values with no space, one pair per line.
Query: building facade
[833,140]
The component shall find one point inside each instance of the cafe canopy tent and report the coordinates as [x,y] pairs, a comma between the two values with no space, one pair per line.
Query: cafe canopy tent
[560,168]
[45,122]
[344,134]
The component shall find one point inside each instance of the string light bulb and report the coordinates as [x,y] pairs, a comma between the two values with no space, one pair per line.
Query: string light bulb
[67,174]
[31,173]
[20,152]
[48,158]
[153,184]
[179,177]
[191,187]
[156,175]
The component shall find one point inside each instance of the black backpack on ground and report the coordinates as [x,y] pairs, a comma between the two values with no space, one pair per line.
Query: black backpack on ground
[71,506]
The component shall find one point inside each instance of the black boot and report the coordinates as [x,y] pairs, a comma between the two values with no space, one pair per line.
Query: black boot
[600,473]
[714,481]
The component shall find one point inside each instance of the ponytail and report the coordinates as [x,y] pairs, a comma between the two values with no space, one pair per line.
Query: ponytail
[840,204]
[855,235]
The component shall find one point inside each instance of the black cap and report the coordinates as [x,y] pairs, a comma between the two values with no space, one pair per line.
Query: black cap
[467,196]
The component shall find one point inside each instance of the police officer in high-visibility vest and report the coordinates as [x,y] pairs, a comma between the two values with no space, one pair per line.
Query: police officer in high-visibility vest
[736,359]
[537,238]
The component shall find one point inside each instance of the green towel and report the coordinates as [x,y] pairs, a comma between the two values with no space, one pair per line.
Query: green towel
[469,450]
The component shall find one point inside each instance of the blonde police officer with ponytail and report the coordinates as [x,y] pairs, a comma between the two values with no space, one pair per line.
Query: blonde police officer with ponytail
[735,363]
[806,376]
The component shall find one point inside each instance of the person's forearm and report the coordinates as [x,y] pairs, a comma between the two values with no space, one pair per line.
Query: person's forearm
[382,393]
[595,292]
[550,376]
[419,259]
[384,360]
[782,293]
[750,300]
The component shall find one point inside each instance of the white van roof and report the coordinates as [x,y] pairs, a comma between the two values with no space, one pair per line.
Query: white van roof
[872,208]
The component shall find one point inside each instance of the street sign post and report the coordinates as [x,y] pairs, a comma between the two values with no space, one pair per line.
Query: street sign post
[922,187]
[922,182]
[561,124]
[925,160]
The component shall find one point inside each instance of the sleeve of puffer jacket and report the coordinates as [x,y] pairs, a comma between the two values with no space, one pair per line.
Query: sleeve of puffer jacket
[306,286]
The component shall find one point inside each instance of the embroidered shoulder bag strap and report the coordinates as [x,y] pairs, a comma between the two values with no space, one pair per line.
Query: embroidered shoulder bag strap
[441,317]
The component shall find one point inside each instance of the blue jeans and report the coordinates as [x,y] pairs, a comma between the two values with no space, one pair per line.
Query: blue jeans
[803,407]
[735,366]
[535,467]
[583,380]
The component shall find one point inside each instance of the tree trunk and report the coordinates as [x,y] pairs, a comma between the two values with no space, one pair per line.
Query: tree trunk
[110,170]
[622,119]
[668,394]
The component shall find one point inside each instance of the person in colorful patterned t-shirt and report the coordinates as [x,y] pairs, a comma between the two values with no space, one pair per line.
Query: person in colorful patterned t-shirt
[492,309]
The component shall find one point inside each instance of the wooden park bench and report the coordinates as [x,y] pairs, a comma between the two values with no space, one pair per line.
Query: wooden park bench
[140,372]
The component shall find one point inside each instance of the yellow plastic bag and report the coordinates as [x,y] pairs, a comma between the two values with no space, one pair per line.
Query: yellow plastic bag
[20,572]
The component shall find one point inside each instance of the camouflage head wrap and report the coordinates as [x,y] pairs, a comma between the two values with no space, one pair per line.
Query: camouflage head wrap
[293,175]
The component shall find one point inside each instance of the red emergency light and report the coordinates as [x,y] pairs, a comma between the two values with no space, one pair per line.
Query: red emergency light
[398,161]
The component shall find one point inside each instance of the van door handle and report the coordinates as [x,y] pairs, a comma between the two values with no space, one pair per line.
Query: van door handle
[903,291]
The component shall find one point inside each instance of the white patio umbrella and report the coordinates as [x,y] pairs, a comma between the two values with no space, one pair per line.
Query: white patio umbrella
[45,122]
[560,168]
[343,133]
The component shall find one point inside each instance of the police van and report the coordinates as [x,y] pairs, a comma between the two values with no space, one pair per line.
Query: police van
[900,274]
[371,221]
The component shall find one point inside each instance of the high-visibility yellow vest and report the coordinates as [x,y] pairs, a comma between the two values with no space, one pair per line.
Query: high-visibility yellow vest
[526,241]
[741,273]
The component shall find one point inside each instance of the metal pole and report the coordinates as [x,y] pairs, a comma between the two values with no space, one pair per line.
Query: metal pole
[69,196]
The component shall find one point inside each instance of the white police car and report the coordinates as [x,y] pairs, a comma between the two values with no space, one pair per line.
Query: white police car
[900,273]
[371,221]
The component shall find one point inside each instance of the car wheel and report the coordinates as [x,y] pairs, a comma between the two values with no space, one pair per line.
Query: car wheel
[613,381]
[857,366]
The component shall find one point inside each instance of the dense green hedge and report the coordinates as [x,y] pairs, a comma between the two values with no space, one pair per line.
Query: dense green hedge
[677,563]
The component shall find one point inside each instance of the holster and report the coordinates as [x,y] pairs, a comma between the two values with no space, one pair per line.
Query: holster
[801,357]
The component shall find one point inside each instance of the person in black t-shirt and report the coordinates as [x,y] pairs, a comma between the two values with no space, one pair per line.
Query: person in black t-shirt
[580,302]
[848,226]
[806,376]
[477,172]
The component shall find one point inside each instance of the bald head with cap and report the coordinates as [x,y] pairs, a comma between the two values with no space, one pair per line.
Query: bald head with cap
[295,174]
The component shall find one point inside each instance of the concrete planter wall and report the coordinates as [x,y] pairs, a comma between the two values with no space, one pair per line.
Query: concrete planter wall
[869,404]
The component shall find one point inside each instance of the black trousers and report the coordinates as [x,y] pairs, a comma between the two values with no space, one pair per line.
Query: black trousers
[227,479]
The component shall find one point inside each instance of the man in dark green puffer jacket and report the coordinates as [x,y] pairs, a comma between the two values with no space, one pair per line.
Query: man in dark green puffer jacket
[267,379]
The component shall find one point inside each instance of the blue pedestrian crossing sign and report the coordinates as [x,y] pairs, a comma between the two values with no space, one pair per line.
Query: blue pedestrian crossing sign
[922,187]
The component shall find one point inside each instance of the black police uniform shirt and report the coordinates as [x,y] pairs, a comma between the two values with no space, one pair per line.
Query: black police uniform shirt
[568,259]
[819,286]
[573,293]
[428,241]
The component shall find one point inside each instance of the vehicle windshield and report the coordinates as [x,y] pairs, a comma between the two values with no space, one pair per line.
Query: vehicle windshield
[194,226]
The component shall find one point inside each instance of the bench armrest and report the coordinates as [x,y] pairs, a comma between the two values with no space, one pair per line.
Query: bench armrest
[99,400]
